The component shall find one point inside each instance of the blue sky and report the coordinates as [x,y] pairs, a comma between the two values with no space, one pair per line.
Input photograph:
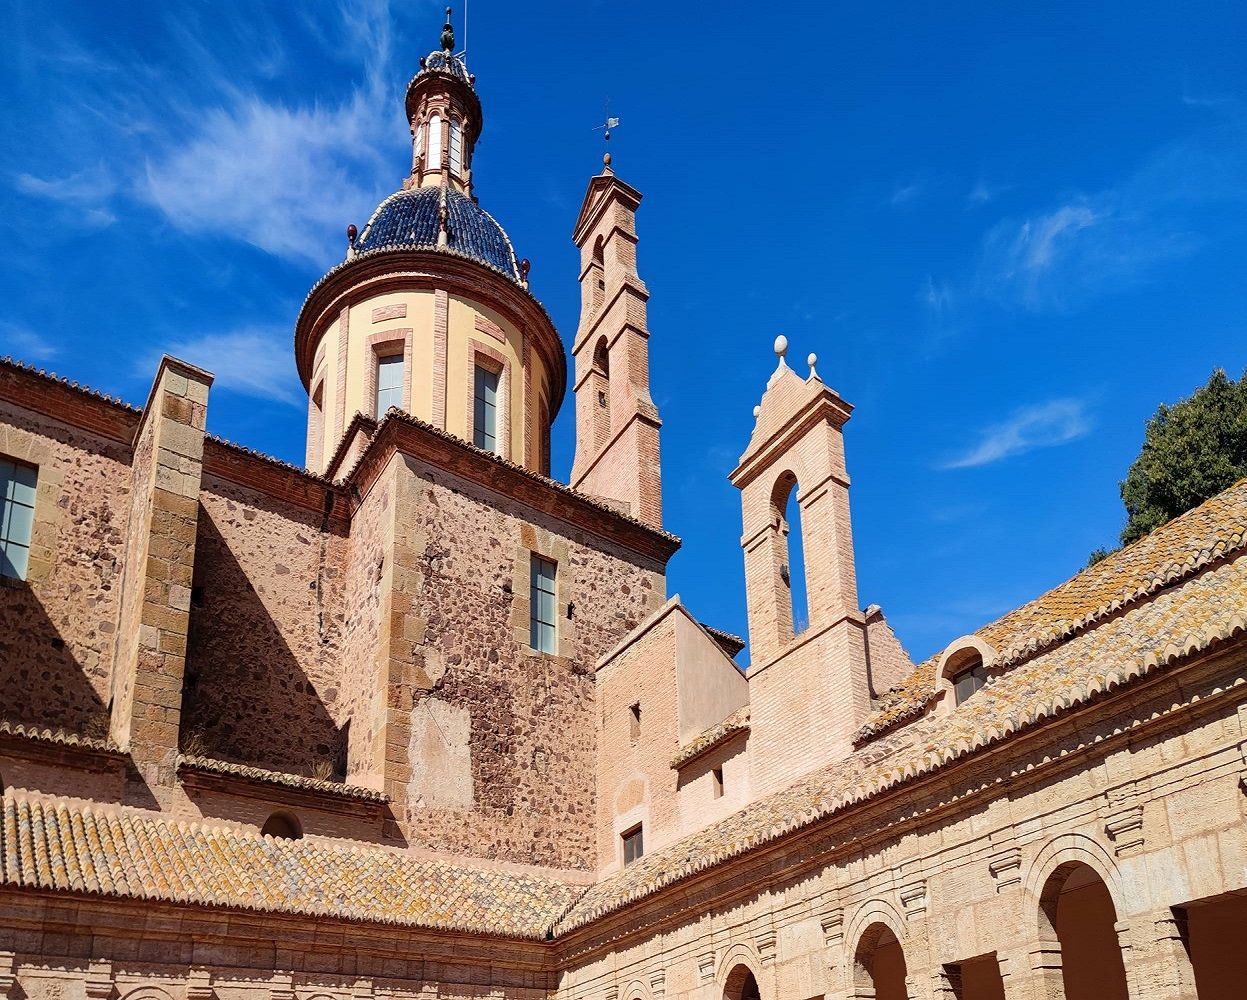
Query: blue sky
[1008,234]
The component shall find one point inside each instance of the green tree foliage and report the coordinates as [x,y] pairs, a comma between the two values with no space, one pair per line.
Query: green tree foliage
[1191,451]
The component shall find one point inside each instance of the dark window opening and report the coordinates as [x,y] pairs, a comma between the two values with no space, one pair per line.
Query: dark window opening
[283,826]
[634,720]
[966,682]
[716,776]
[633,845]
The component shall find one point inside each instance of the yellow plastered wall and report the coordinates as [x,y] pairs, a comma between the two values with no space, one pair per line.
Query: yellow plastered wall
[462,331]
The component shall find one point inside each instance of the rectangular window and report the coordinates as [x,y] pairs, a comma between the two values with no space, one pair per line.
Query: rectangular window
[541,605]
[485,410]
[716,775]
[634,721]
[389,383]
[17,516]
[456,147]
[633,845]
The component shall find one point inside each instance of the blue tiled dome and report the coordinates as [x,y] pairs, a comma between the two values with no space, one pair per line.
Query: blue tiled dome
[408,219]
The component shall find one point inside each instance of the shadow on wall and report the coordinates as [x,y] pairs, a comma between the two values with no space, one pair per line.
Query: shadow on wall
[42,682]
[245,697]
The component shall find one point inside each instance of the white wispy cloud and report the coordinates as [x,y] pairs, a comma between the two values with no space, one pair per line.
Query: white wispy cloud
[25,344]
[87,190]
[1087,245]
[253,361]
[285,178]
[982,193]
[1044,425]
[936,296]
[904,194]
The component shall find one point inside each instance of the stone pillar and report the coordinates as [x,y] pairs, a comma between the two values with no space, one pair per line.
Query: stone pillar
[99,984]
[1155,950]
[150,659]
[1036,974]
[8,974]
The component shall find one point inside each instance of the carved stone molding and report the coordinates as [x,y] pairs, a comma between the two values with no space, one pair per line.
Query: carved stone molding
[705,966]
[765,941]
[99,984]
[1125,829]
[611,993]
[833,927]
[658,982]
[8,973]
[282,987]
[199,985]
[363,989]
[914,899]
[1006,868]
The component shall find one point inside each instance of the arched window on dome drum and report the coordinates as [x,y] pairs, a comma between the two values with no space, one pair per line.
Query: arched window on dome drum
[456,147]
[434,161]
[418,150]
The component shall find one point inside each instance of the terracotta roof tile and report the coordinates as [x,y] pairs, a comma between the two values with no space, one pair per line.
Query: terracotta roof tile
[1213,530]
[46,844]
[737,722]
[1205,610]
[210,765]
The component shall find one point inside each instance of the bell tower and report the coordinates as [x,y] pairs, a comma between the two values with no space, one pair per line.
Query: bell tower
[809,681]
[617,423]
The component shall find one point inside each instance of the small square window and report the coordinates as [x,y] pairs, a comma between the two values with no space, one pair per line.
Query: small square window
[17,516]
[716,776]
[633,845]
[968,681]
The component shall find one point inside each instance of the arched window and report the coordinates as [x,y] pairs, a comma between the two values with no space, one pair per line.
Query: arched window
[601,389]
[792,565]
[456,147]
[962,669]
[1077,910]
[434,161]
[283,826]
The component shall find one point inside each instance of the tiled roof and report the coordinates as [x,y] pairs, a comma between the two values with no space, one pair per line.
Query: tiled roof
[210,765]
[408,219]
[57,737]
[737,722]
[58,846]
[1216,528]
[86,390]
[1206,610]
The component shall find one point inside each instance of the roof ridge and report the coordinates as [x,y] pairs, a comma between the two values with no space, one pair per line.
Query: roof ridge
[75,385]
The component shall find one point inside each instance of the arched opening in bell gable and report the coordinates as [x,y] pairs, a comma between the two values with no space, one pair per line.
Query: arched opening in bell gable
[792,577]
[601,392]
[282,826]
[1077,910]
[879,965]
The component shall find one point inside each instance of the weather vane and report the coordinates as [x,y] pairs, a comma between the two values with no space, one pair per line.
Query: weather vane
[609,124]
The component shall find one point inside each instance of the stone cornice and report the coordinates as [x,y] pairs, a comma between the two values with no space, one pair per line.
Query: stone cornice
[404,434]
[595,202]
[428,268]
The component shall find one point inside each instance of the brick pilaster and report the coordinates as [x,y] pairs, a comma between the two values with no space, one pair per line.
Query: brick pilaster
[160,553]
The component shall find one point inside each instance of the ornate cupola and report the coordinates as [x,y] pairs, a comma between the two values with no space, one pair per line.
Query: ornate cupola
[430,312]
[445,117]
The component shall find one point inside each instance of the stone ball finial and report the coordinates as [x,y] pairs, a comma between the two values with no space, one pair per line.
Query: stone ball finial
[757,412]
[812,360]
[525,267]
[781,346]
[351,233]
